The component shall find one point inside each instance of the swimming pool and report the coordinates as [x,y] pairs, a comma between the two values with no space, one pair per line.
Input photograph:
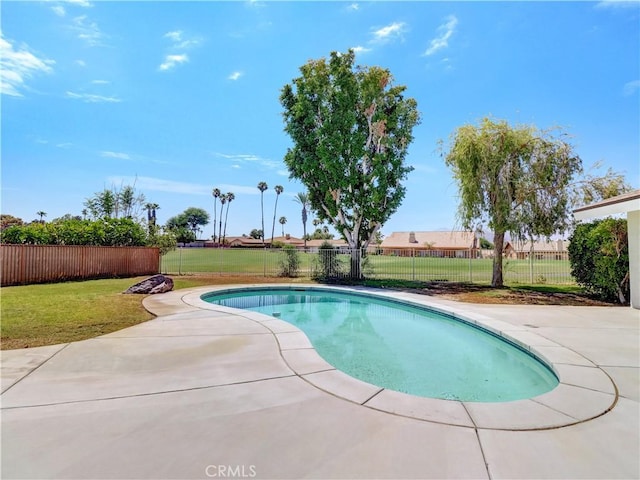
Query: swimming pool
[401,347]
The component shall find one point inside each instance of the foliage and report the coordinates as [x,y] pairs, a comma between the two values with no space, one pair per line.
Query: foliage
[164,240]
[7,221]
[351,129]
[289,262]
[320,234]
[514,179]
[599,258]
[116,203]
[103,232]
[327,265]
[256,233]
[593,188]
[485,244]
[186,224]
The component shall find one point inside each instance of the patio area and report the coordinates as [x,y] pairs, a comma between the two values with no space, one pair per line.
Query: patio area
[208,392]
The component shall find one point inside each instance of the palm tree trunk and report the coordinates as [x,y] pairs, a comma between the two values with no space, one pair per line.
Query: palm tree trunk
[224,236]
[273,225]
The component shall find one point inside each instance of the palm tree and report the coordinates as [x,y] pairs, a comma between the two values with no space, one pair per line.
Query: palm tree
[41,214]
[216,195]
[151,214]
[303,199]
[262,186]
[279,189]
[230,198]
[282,221]
[223,200]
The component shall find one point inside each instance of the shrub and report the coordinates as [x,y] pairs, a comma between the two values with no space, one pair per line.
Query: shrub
[327,265]
[121,232]
[599,258]
[289,261]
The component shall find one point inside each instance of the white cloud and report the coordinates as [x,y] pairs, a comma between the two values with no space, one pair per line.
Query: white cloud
[177,55]
[171,61]
[162,185]
[445,31]
[80,3]
[360,49]
[235,76]
[390,32]
[88,31]
[631,87]
[59,10]
[176,35]
[354,7]
[81,63]
[89,98]
[118,155]
[17,65]
[64,145]
[256,3]
[617,4]
[100,82]
[239,159]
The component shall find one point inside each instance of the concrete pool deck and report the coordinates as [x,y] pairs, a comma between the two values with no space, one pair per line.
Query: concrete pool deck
[208,392]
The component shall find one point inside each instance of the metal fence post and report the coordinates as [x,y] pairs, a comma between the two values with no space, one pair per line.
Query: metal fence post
[413,265]
[470,267]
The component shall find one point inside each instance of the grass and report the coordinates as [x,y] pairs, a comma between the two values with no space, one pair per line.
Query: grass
[48,314]
[35,315]
[265,262]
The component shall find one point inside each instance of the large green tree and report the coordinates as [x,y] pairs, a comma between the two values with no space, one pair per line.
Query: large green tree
[515,179]
[351,128]
[186,225]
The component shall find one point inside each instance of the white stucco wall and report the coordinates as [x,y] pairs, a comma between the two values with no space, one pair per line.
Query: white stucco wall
[633,227]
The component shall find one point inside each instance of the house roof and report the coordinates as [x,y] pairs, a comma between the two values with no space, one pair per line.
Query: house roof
[437,240]
[244,241]
[287,240]
[626,202]
[335,242]
[540,246]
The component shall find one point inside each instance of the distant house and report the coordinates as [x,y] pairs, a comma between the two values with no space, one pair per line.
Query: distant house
[286,240]
[538,250]
[243,242]
[249,242]
[450,244]
[313,246]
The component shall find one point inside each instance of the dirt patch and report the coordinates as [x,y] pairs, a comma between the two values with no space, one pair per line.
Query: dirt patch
[460,292]
[508,296]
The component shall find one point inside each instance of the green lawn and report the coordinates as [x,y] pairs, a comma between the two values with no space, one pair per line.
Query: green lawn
[266,262]
[51,313]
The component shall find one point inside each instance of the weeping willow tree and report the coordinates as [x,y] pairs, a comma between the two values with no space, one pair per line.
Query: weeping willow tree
[351,128]
[515,179]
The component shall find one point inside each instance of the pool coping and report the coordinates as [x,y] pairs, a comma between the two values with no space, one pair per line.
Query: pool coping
[585,391]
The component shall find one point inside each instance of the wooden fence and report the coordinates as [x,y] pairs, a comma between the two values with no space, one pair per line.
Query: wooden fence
[26,264]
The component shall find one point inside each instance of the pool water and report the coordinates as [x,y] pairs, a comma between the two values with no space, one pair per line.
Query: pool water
[400,346]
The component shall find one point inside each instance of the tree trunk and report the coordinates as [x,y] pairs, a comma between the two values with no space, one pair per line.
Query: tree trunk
[498,241]
[356,270]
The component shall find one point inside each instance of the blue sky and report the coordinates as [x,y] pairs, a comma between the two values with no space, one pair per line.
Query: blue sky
[182,97]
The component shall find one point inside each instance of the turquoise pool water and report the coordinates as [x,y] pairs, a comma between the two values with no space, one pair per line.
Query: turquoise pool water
[400,346]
